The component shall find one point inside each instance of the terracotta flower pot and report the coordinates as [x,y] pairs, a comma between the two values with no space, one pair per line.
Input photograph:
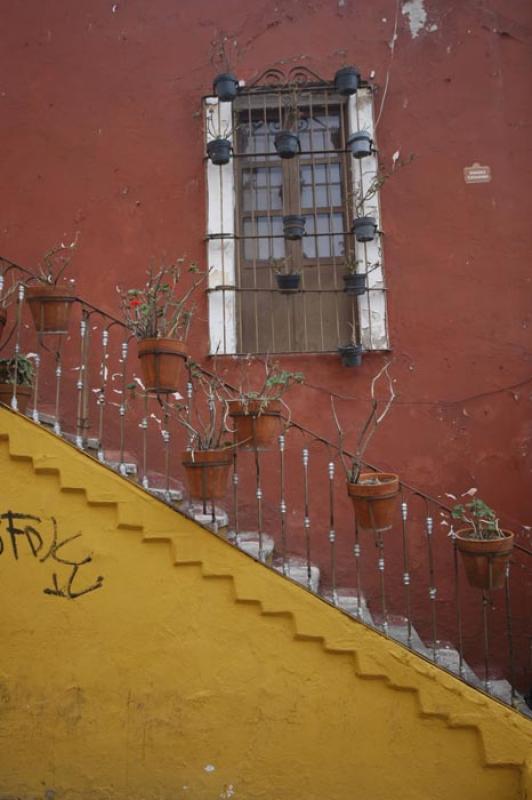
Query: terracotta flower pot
[374,503]
[50,308]
[256,422]
[161,362]
[485,560]
[207,472]
[23,395]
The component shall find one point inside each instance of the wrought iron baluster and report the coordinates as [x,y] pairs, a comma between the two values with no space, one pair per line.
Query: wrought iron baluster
[58,375]
[82,382]
[486,640]
[332,532]
[104,371]
[406,570]
[235,496]
[143,425]
[258,490]
[20,301]
[36,370]
[509,632]
[166,439]
[357,552]
[122,408]
[306,519]
[282,505]
[458,605]
[429,528]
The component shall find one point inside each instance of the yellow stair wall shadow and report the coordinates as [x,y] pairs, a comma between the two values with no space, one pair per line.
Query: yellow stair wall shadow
[145,658]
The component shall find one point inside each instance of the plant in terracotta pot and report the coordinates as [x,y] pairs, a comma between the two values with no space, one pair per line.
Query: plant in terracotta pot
[16,380]
[484,546]
[208,458]
[256,413]
[159,315]
[287,277]
[50,298]
[374,494]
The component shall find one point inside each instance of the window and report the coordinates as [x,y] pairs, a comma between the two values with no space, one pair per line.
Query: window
[247,200]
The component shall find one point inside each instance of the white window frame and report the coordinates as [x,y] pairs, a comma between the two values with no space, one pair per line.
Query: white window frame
[221,255]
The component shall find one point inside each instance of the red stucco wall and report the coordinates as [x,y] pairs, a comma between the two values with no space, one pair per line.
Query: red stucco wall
[102,133]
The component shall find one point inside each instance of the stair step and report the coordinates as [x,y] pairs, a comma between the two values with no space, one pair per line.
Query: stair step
[353,604]
[195,511]
[296,568]
[248,541]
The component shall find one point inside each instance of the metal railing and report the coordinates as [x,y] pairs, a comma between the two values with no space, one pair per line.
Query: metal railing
[288,506]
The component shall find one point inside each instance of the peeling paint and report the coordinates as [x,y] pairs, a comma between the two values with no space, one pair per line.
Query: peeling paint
[417,17]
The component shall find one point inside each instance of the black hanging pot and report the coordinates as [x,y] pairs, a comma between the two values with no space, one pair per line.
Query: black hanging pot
[287,144]
[347,81]
[361,144]
[219,151]
[351,355]
[288,282]
[293,226]
[355,283]
[225,87]
[365,229]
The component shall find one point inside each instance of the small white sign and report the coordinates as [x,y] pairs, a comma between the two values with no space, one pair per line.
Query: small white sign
[477,174]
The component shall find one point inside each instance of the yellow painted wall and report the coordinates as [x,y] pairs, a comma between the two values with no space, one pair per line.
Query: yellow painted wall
[190,671]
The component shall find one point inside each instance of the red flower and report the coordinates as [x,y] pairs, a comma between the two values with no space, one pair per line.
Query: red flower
[134,303]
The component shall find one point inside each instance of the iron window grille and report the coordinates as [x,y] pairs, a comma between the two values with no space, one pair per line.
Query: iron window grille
[247,200]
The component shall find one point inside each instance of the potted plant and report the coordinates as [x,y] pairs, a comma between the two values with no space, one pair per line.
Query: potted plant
[16,371]
[365,229]
[374,494]
[485,548]
[219,146]
[208,458]
[293,227]
[351,353]
[288,279]
[360,144]
[347,80]
[50,301]
[354,282]
[225,87]
[256,413]
[286,141]
[160,319]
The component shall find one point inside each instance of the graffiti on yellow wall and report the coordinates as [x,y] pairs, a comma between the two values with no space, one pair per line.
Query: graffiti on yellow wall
[26,534]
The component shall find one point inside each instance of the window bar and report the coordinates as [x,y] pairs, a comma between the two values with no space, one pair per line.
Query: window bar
[254,227]
[104,371]
[282,506]
[332,158]
[144,428]
[271,244]
[429,528]
[406,570]
[81,383]
[509,632]
[306,518]
[122,407]
[222,248]
[332,533]
[360,187]
[357,554]
[238,229]
[458,606]
[315,213]
[485,638]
